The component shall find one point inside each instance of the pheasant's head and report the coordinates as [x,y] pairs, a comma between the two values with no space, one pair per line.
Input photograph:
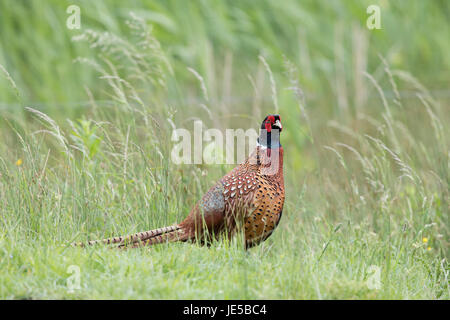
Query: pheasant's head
[272,121]
[268,138]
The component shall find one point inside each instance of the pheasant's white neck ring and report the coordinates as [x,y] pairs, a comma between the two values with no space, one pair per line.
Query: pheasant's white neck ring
[260,145]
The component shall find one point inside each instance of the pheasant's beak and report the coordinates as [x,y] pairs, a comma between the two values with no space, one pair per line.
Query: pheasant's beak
[278,125]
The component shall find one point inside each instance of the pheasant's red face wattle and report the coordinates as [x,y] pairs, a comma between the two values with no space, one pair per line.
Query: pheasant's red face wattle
[269,122]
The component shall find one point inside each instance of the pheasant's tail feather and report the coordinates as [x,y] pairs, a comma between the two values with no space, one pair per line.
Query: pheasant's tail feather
[172,236]
[132,238]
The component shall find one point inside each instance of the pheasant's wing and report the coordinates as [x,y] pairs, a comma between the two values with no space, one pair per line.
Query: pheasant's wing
[228,200]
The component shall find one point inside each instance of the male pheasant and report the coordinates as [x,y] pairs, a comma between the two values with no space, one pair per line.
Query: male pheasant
[251,196]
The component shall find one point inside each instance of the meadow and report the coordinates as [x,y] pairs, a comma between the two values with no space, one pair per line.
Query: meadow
[86,122]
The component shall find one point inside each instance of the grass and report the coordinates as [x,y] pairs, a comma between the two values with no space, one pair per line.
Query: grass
[366,151]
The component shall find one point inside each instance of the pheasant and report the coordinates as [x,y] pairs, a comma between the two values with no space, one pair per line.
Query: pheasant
[249,198]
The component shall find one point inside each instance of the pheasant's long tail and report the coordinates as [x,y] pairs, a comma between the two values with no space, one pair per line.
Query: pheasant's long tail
[171,236]
[134,238]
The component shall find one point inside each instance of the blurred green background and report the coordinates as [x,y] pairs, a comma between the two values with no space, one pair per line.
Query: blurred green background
[321,37]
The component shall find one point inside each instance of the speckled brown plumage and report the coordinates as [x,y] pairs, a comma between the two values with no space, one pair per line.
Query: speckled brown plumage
[251,197]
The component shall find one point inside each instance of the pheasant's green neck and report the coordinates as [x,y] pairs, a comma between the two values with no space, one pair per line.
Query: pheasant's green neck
[270,140]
